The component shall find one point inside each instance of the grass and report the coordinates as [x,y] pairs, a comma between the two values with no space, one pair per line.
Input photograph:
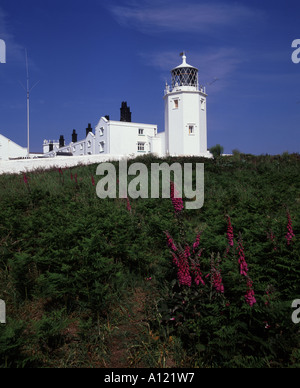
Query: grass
[75,270]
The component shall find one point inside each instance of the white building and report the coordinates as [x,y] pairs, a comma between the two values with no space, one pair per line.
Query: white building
[185,113]
[110,137]
[185,126]
[11,150]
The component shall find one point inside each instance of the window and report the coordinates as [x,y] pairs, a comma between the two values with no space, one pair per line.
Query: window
[141,146]
[101,146]
[191,130]
[141,131]
[101,131]
[89,143]
[81,146]
[202,103]
[176,104]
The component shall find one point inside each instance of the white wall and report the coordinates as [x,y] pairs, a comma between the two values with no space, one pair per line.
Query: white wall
[191,116]
[174,124]
[203,124]
[78,148]
[124,137]
[101,137]
[190,111]
[11,150]
[158,144]
[18,166]
[90,144]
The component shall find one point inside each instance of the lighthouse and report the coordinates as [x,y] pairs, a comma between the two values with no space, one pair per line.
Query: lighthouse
[185,113]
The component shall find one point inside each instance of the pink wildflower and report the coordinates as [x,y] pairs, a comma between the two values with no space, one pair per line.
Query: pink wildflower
[128,205]
[177,202]
[25,179]
[250,298]
[290,234]
[93,181]
[60,171]
[183,273]
[216,276]
[200,252]
[229,232]
[267,302]
[197,242]
[242,261]
[198,275]
[218,282]
[198,278]
[187,252]
[170,242]
[175,260]
[271,237]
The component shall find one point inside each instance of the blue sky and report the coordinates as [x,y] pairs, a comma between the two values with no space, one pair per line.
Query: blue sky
[91,55]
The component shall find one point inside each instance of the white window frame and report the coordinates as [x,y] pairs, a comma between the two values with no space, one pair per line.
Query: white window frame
[101,146]
[141,146]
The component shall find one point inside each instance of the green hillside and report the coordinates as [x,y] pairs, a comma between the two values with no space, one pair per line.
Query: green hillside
[92,282]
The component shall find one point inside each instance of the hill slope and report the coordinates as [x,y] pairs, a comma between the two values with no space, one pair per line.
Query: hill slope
[70,263]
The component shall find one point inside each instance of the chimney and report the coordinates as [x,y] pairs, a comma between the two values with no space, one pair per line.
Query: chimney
[125,112]
[89,129]
[61,141]
[74,136]
[107,117]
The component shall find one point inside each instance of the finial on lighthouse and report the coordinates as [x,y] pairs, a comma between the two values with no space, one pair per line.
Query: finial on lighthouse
[183,58]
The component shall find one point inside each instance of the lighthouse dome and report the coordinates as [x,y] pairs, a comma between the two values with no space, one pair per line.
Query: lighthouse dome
[184,75]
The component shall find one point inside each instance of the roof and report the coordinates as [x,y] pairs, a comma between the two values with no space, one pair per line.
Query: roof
[184,64]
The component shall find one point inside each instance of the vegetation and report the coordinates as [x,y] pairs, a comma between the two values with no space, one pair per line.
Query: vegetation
[216,150]
[216,284]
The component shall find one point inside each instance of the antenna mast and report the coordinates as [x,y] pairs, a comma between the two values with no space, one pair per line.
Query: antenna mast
[28,90]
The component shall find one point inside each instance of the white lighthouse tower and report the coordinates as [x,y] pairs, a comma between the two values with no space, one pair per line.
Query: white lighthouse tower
[185,113]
